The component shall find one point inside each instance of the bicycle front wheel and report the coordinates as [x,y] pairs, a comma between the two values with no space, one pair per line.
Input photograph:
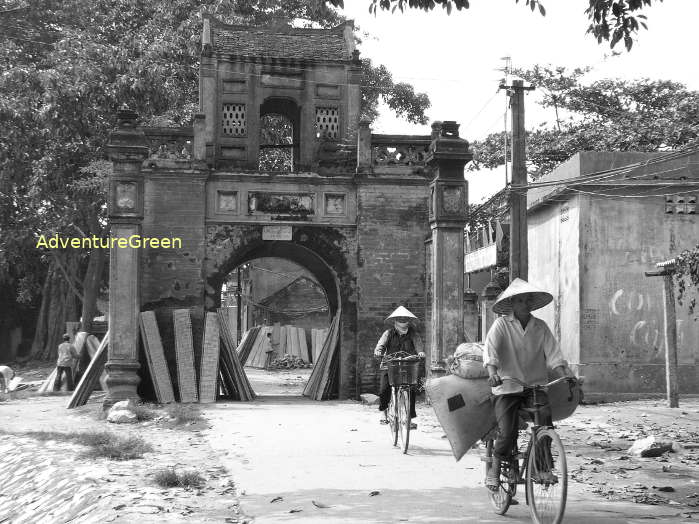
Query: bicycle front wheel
[392,417]
[404,417]
[547,478]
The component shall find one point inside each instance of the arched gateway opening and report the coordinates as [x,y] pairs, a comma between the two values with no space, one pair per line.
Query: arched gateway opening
[290,292]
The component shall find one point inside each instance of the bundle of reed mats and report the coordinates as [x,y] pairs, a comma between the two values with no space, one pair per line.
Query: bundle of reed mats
[234,382]
[91,377]
[208,370]
[184,353]
[318,337]
[321,384]
[247,343]
[155,357]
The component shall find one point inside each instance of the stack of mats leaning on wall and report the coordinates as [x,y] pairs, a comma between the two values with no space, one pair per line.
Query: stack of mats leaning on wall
[220,370]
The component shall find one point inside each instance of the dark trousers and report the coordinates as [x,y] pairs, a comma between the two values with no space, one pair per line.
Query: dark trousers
[59,376]
[385,395]
[506,408]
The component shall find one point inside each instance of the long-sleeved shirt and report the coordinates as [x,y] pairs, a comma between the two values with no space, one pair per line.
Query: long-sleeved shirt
[524,354]
[66,354]
[392,341]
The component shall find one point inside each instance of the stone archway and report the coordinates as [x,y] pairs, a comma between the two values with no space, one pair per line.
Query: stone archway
[324,251]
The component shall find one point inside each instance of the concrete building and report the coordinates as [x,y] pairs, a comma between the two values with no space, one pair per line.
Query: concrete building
[590,244]
[590,241]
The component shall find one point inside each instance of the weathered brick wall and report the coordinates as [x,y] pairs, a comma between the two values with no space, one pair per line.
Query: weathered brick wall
[392,226]
[171,277]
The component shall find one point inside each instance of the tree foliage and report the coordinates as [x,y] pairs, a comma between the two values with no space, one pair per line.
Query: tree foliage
[687,277]
[378,84]
[606,115]
[610,20]
[65,69]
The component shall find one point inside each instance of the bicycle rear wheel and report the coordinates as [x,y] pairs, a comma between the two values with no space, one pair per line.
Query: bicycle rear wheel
[392,418]
[547,478]
[404,417]
[502,498]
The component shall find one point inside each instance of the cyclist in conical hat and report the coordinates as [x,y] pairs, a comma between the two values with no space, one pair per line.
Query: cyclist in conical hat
[403,336]
[521,346]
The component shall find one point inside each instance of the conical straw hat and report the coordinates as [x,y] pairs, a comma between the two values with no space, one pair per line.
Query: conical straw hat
[503,304]
[401,312]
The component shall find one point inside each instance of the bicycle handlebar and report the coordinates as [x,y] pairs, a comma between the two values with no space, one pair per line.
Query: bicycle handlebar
[533,386]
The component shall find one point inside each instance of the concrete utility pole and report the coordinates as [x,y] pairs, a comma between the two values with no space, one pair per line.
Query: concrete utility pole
[518,196]
[667,270]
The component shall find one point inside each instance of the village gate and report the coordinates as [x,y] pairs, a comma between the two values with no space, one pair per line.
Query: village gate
[278,164]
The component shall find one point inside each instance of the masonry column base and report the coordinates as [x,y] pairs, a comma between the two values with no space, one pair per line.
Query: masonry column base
[122,382]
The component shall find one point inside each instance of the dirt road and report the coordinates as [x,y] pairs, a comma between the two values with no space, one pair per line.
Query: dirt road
[300,461]
[284,458]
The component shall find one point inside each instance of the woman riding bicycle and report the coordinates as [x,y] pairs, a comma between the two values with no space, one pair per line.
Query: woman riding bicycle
[401,337]
[520,346]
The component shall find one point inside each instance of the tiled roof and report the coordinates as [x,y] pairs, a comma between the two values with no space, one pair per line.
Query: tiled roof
[295,43]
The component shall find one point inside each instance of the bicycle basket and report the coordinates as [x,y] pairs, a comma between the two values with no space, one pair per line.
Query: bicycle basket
[403,372]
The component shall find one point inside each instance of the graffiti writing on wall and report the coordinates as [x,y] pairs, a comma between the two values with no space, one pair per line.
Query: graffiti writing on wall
[640,311]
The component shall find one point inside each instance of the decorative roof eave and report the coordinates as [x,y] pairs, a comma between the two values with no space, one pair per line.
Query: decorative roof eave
[278,60]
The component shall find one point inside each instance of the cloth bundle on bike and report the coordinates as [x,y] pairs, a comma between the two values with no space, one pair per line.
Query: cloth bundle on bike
[467,361]
[465,411]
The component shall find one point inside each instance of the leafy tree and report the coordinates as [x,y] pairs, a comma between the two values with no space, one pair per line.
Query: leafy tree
[64,71]
[610,20]
[607,115]
[687,277]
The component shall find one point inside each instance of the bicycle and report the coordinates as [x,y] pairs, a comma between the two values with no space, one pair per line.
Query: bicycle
[403,373]
[544,473]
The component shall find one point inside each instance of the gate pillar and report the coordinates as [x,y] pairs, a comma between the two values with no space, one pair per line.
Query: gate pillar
[447,215]
[127,149]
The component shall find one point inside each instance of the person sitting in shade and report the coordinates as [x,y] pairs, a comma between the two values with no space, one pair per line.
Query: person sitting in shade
[520,346]
[67,355]
[403,336]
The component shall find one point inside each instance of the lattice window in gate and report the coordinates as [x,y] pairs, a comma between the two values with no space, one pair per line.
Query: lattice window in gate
[233,119]
[327,122]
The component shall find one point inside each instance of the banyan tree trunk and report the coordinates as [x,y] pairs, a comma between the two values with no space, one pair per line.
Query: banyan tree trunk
[91,287]
[58,305]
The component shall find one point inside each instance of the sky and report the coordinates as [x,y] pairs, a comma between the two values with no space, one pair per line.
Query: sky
[455,59]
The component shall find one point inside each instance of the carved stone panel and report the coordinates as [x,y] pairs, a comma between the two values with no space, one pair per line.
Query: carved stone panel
[126,196]
[227,202]
[335,204]
[451,199]
[298,205]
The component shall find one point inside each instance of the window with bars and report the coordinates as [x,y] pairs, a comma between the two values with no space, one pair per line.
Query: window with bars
[681,204]
[233,119]
[327,122]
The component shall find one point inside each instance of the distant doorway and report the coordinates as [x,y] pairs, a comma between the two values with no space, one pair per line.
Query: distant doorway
[282,314]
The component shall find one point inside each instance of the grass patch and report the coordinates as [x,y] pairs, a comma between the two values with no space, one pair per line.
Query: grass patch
[145,412]
[182,414]
[170,478]
[98,443]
